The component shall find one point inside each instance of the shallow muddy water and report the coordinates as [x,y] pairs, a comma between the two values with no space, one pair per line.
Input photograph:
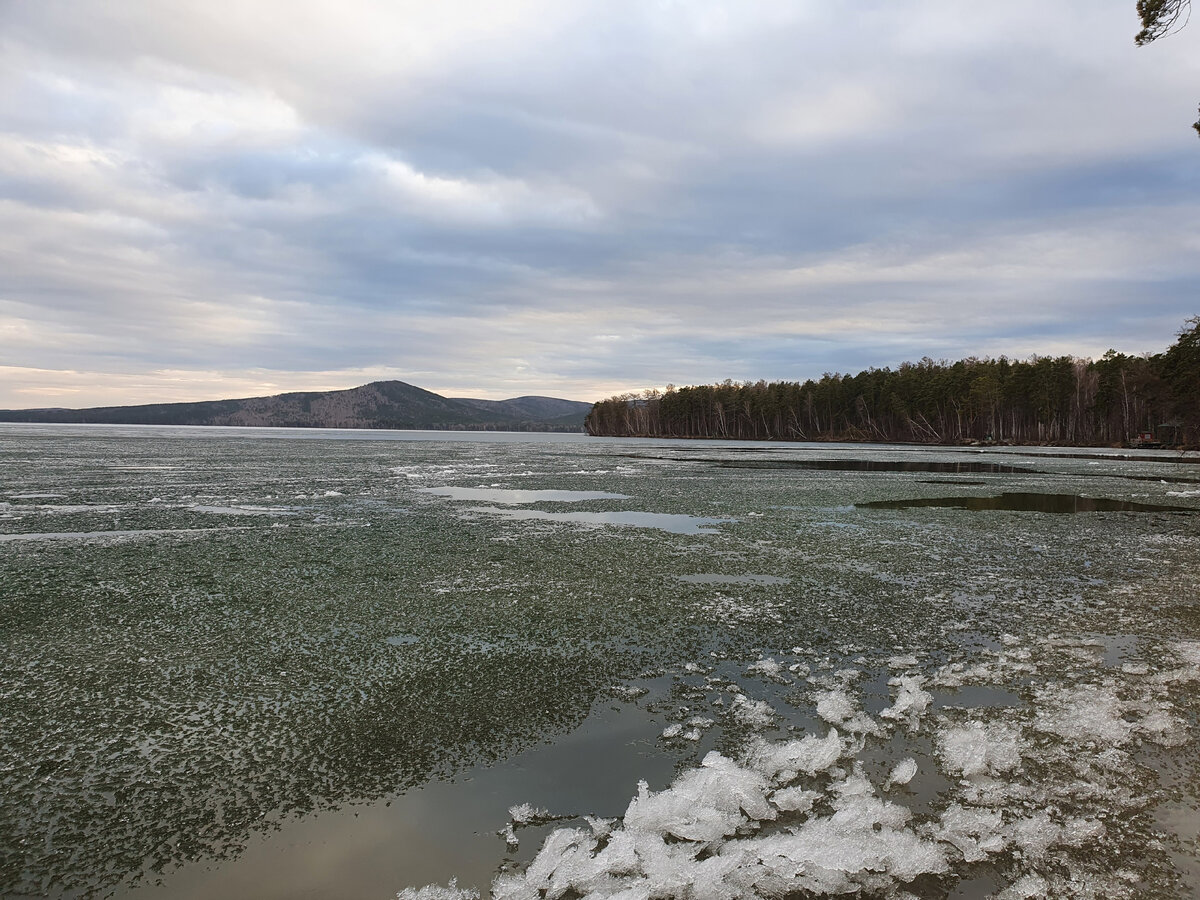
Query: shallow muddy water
[256,663]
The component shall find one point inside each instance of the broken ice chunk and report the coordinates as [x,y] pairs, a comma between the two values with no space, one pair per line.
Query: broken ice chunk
[978,749]
[795,799]
[510,837]
[863,844]
[436,892]
[525,813]
[1034,835]
[902,773]
[767,667]
[787,761]
[704,804]
[601,827]
[1082,714]
[975,832]
[911,701]
[753,713]
[835,706]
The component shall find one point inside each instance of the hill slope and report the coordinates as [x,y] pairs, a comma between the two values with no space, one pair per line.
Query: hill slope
[381,404]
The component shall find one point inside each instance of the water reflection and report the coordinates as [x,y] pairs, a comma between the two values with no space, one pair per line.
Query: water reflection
[878,465]
[419,836]
[517,497]
[672,522]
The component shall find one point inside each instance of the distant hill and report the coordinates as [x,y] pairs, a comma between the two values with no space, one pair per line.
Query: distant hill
[381,404]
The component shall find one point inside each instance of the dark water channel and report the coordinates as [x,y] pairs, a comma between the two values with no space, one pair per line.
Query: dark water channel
[1028,502]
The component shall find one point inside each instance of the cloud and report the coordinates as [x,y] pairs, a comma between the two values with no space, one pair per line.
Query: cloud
[578,198]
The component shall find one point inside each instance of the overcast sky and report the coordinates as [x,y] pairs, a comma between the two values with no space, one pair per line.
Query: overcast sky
[215,199]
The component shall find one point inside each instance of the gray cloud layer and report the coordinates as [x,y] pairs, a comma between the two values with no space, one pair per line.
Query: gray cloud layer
[214,199]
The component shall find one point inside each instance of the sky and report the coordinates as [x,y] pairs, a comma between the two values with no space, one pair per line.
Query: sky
[230,198]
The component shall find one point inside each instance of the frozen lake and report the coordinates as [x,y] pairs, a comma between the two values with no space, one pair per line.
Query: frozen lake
[286,663]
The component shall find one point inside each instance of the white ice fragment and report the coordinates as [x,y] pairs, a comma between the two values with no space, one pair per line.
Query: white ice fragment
[977,749]
[835,706]
[513,886]
[948,676]
[975,832]
[558,863]
[861,724]
[911,701]
[784,762]
[1082,714]
[1077,832]
[672,731]
[767,667]
[902,773]
[984,790]
[601,827]
[1159,726]
[704,804]
[436,892]
[1034,835]
[524,813]
[1189,652]
[753,713]
[510,837]
[902,662]
[863,844]
[795,799]
[1135,668]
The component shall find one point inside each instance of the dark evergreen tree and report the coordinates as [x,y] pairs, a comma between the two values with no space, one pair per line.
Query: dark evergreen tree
[1043,400]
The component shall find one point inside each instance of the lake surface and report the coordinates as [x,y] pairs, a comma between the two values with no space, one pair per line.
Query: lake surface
[297,663]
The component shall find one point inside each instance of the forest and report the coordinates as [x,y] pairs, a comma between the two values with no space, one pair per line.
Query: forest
[1117,399]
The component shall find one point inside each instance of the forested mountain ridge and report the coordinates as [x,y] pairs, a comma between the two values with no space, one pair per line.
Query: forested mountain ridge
[1048,400]
[380,404]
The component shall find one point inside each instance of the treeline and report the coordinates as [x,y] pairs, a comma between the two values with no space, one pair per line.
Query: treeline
[1043,400]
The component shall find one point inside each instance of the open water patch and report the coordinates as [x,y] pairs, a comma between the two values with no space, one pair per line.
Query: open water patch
[672,522]
[959,482]
[1027,502]
[242,510]
[516,497]
[116,534]
[879,465]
